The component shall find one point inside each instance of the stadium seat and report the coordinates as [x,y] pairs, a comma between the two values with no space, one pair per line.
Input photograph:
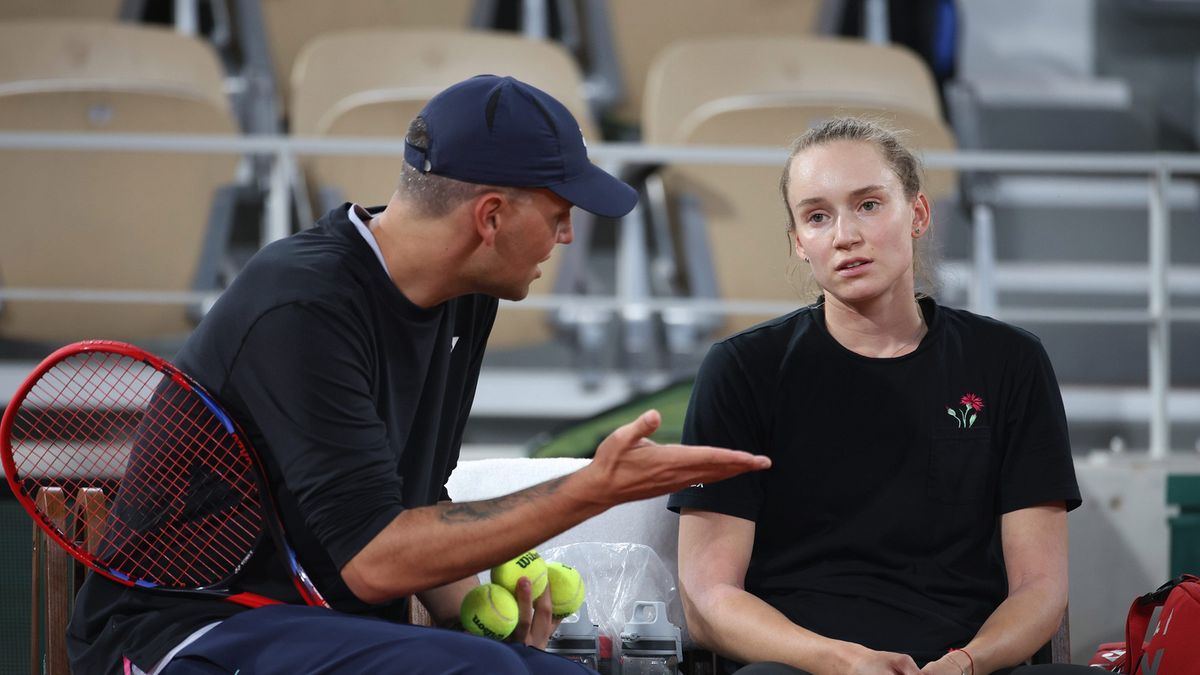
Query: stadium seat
[373,83]
[625,36]
[109,220]
[292,24]
[15,10]
[766,91]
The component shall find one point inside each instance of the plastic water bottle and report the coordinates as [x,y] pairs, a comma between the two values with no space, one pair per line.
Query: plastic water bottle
[650,644]
[577,639]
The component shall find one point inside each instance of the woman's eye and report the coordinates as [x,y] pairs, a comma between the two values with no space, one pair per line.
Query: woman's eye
[817,218]
[870,206]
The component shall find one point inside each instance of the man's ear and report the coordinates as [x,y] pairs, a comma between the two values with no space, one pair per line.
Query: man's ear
[487,211]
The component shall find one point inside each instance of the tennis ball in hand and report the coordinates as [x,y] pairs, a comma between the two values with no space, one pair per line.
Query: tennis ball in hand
[489,611]
[566,588]
[528,564]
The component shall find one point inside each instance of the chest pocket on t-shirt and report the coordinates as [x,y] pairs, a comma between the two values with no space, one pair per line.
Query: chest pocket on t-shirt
[960,466]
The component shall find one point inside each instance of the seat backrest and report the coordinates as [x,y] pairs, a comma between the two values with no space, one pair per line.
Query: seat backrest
[12,10]
[373,83]
[105,219]
[767,91]
[56,575]
[641,30]
[292,24]
[696,73]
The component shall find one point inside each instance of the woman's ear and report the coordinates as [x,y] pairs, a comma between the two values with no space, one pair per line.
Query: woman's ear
[796,245]
[922,216]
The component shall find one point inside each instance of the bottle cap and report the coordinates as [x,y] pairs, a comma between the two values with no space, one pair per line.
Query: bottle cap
[576,625]
[649,633]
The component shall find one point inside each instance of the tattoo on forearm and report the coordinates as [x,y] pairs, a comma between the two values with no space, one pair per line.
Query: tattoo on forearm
[466,512]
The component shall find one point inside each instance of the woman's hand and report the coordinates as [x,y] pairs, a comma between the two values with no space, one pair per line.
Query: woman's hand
[950,664]
[863,661]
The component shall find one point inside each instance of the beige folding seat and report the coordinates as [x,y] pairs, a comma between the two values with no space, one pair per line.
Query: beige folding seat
[374,82]
[107,220]
[12,10]
[291,24]
[640,30]
[766,91]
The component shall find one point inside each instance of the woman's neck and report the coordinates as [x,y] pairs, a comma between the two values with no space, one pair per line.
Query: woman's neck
[881,329]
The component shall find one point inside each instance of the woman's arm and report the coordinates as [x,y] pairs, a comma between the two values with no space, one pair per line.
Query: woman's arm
[1035,555]
[714,553]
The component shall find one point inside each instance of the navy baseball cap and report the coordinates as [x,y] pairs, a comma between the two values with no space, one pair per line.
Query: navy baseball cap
[500,131]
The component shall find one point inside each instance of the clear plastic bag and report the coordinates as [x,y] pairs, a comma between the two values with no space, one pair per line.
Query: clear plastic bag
[616,576]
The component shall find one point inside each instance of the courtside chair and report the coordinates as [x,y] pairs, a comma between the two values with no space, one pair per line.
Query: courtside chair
[625,36]
[109,220]
[374,82]
[729,221]
[1058,649]
[57,576]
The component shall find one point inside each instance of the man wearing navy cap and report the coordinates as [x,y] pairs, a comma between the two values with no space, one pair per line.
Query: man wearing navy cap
[350,354]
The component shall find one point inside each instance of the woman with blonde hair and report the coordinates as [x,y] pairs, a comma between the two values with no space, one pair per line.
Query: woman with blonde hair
[914,518]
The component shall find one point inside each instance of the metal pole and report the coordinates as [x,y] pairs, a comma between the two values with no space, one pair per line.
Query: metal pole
[533,19]
[1160,316]
[186,17]
[277,214]
[983,252]
[875,22]
[633,291]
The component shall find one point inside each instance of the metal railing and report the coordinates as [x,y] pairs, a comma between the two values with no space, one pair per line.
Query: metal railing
[632,298]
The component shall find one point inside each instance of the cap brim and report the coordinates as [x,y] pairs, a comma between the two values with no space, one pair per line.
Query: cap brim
[598,192]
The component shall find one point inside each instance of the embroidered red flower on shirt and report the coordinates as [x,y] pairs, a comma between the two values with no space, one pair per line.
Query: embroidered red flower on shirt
[973,401]
[971,404]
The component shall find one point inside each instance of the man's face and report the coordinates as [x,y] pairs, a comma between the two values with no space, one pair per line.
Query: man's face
[534,222]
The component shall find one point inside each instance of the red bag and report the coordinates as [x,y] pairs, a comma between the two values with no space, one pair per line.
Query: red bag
[1110,657]
[1174,648]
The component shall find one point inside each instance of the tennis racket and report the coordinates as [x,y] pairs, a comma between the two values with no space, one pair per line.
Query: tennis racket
[189,500]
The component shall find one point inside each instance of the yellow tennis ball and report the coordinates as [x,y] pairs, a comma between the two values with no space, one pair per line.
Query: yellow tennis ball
[566,588]
[528,564]
[489,611]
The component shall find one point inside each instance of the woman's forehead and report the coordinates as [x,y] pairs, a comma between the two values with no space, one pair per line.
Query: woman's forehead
[840,166]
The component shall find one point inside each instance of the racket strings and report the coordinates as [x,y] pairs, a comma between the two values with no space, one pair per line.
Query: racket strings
[185,505]
[201,480]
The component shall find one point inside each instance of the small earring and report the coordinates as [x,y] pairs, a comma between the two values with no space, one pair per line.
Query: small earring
[805,258]
[916,230]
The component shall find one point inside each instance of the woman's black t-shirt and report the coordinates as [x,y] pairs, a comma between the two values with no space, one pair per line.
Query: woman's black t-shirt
[879,520]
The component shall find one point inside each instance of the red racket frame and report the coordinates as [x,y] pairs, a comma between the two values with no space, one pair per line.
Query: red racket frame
[267,507]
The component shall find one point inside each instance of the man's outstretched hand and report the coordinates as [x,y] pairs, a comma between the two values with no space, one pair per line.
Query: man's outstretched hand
[628,466]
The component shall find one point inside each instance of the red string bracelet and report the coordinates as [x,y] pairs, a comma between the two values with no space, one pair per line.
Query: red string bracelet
[970,660]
